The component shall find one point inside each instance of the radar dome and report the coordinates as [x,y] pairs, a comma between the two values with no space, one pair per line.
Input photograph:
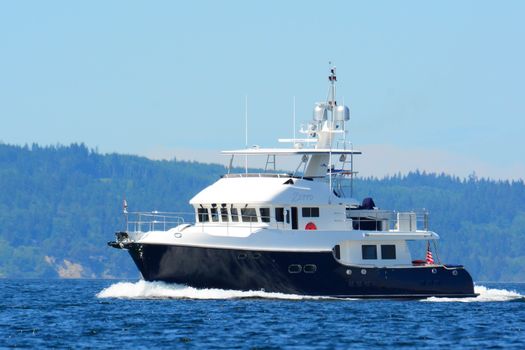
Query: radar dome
[320,112]
[342,113]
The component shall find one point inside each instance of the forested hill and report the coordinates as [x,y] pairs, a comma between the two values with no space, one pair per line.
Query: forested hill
[60,205]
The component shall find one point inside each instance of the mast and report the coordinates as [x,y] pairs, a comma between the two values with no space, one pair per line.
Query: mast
[331,105]
[322,127]
[326,127]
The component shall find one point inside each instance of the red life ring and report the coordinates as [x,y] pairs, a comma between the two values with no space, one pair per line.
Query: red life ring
[310,226]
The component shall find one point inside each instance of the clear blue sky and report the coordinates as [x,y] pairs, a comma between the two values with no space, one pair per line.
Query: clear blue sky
[420,77]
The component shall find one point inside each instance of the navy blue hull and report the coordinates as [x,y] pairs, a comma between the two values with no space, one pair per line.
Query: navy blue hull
[305,273]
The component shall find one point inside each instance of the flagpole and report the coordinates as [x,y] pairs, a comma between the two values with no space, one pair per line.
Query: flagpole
[436,251]
[429,259]
[125,212]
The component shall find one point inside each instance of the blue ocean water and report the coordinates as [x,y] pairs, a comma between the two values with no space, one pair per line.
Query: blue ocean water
[142,315]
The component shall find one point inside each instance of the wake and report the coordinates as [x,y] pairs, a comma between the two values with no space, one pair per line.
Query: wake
[485,295]
[160,290]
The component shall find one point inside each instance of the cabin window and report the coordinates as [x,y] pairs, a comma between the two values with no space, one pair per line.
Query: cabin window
[279,214]
[388,251]
[248,215]
[214,215]
[369,252]
[202,215]
[295,224]
[224,214]
[265,214]
[310,212]
[235,215]
[337,251]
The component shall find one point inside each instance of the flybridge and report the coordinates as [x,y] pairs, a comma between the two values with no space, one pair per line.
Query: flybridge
[325,150]
[290,151]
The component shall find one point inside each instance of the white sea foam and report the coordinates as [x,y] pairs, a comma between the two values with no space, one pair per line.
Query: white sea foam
[485,294]
[160,290]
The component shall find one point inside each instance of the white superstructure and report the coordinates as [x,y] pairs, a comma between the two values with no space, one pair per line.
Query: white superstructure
[310,210]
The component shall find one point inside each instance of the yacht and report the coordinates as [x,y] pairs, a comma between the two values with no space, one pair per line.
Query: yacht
[297,233]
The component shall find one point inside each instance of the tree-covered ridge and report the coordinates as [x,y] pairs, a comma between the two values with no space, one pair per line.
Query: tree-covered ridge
[59,206]
[64,203]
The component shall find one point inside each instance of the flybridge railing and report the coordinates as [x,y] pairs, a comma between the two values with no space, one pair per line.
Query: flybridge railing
[154,220]
[233,175]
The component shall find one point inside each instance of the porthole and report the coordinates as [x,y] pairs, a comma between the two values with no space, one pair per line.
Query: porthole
[454,272]
[242,256]
[434,271]
[310,268]
[256,255]
[348,272]
[294,268]
[363,271]
[178,235]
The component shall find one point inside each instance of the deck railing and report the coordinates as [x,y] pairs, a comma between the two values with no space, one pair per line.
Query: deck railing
[390,220]
[369,220]
[139,222]
[154,220]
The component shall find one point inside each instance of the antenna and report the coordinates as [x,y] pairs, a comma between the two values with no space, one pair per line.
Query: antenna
[294,120]
[344,127]
[246,131]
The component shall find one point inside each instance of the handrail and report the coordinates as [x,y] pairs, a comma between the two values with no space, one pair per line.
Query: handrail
[366,220]
[153,220]
[233,175]
[390,220]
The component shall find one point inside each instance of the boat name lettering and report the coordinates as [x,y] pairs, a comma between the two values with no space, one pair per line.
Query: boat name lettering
[299,197]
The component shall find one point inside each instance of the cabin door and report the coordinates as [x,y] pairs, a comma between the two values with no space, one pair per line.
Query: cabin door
[294,218]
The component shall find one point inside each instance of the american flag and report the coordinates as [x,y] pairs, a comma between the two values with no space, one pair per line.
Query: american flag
[430,259]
